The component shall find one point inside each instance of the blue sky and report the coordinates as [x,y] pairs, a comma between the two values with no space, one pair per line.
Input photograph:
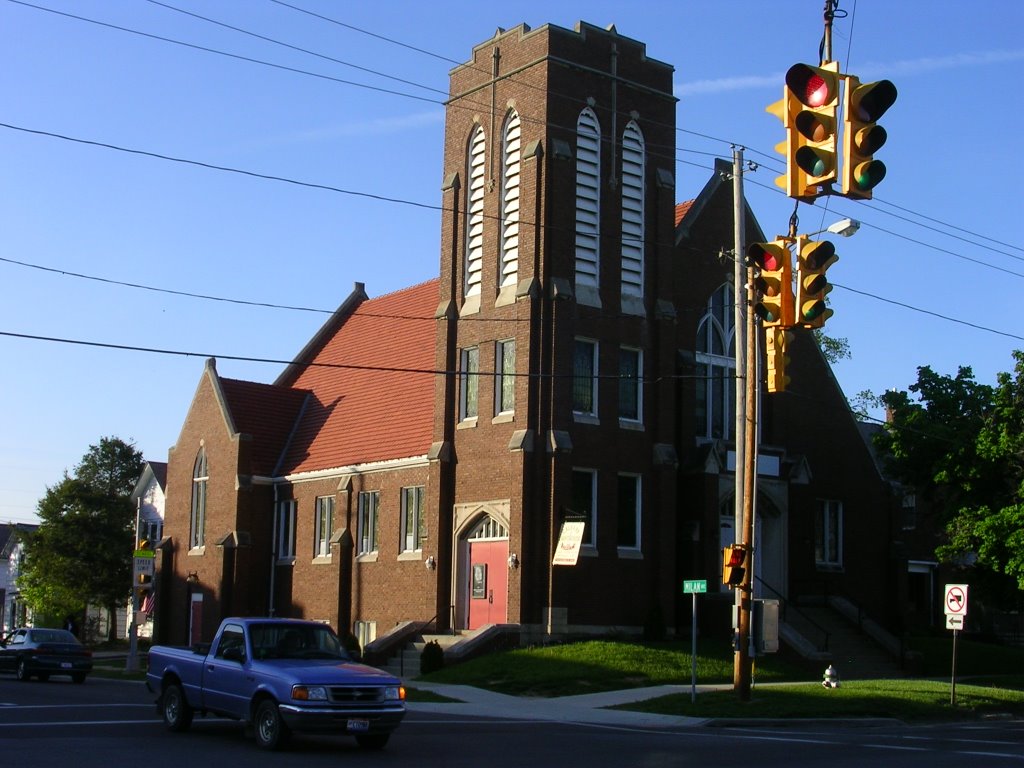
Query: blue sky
[934,276]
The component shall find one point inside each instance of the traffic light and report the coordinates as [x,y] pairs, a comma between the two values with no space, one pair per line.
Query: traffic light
[776,343]
[863,105]
[814,257]
[809,111]
[774,282]
[734,564]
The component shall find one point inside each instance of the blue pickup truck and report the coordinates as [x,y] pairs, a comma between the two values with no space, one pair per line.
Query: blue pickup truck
[277,676]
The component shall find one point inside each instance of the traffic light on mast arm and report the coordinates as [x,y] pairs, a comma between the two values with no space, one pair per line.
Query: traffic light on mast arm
[776,343]
[809,111]
[863,105]
[774,282]
[814,257]
[734,564]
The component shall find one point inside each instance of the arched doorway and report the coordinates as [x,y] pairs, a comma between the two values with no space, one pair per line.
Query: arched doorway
[481,576]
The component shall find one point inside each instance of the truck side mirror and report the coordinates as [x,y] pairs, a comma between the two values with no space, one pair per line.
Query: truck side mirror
[234,654]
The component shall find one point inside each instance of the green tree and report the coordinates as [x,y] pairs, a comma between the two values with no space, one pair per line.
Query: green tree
[960,445]
[81,552]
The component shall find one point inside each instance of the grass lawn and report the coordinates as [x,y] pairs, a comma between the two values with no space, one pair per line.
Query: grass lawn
[990,680]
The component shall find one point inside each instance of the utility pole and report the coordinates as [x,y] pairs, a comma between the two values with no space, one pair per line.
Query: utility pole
[746,433]
[739,341]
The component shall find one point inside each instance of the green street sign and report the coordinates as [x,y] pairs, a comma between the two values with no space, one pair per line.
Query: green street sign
[694,586]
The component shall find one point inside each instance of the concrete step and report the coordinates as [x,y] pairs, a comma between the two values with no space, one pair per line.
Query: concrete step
[854,654]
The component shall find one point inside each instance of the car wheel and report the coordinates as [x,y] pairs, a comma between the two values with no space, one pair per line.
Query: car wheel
[268,727]
[21,672]
[373,740]
[78,677]
[175,709]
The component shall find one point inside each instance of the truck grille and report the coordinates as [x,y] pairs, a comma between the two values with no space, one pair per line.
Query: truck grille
[356,694]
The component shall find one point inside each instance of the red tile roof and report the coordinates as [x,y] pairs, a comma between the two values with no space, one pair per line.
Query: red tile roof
[682,209]
[265,412]
[372,387]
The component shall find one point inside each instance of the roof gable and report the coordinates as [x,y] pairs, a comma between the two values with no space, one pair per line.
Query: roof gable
[372,384]
[267,413]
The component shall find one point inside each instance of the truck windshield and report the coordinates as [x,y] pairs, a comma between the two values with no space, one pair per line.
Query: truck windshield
[295,641]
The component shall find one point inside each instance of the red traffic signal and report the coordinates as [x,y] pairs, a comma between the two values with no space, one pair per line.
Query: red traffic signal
[808,110]
[773,283]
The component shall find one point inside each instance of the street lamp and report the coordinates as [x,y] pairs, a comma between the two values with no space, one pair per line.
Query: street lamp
[843,228]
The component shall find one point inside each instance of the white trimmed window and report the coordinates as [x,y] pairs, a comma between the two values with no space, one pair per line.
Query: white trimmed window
[584,377]
[628,533]
[323,526]
[588,200]
[508,273]
[414,527]
[469,377]
[716,367]
[366,518]
[633,164]
[584,502]
[197,522]
[630,387]
[475,172]
[284,531]
[828,534]
[505,381]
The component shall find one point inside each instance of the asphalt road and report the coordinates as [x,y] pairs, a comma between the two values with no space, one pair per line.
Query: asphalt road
[105,722]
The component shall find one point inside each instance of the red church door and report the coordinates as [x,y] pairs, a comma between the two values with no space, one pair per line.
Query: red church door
[488,583]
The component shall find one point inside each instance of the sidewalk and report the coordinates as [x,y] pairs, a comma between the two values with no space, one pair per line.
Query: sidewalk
[586,708]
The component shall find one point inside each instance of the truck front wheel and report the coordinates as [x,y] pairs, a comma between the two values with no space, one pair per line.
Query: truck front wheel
[175,709]
[270,730]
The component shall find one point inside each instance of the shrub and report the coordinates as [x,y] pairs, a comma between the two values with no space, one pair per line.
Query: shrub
[431,658]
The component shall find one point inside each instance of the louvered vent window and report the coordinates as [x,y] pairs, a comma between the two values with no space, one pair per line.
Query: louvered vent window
[588,199]
[509,268]
[475,214]
[632,211]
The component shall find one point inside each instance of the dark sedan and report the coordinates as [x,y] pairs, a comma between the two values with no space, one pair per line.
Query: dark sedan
[30,651]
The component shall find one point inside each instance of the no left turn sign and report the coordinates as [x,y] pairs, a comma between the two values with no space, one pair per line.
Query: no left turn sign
[956,600]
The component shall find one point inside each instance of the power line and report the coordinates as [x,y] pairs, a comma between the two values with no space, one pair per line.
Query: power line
[773,157]
[335,366]
[403,202]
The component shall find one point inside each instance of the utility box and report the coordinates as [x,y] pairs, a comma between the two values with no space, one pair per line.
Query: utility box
[765,626]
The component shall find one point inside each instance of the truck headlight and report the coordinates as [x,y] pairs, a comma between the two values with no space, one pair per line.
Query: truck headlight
[394,693]
[309,692]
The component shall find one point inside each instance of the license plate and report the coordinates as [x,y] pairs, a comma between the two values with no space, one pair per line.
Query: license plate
[65,665]
[358,725]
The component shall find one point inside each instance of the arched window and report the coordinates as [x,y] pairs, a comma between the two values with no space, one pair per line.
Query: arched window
[475,172]
[588,202]
[716,367]
[508,269]
[633,167]
[200,478]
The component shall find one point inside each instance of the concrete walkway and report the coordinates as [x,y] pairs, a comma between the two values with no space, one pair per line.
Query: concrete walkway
[587,708]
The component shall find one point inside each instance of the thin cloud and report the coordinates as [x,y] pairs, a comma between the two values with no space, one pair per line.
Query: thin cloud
[377,127]
[920,66]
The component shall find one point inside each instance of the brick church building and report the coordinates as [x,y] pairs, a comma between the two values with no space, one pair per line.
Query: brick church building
[573,361]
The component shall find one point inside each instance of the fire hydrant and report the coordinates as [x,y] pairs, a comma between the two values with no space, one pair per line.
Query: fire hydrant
[831,679]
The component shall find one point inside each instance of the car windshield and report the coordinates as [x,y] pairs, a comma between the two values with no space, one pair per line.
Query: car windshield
[295,641]
[51,636]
